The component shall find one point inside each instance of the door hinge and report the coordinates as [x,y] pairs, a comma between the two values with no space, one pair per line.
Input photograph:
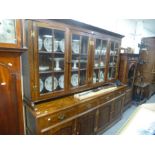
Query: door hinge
[32,33]
[34,88]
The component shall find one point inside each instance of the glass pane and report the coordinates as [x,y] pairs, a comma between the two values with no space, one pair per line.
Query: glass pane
[51,49]
[8,31]
[114,53]
[79,60]
[99,60]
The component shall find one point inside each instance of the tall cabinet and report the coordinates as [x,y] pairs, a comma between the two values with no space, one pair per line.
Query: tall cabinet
[127,72]
[11,108]
[64,58]
[145,77]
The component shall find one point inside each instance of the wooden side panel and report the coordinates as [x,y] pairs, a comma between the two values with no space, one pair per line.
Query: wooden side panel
[11,109]
[8,101]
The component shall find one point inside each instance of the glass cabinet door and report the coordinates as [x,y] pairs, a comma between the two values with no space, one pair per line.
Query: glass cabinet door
[51,54]
[113,61]
[99,61]
[79,60]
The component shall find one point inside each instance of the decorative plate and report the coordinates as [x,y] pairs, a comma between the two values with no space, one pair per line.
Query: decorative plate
[74,80]
[48,83]
[101,76]
[76,46]
[43,68]
[41,85]
[48,43]
[62,45]
[61,81]
[94,77]
[40,43]
[56,44]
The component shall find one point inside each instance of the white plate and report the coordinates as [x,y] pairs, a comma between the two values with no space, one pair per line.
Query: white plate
[101,76]
[61,81]
[48,83]
[76,46]
[94,77]
[74,80]
[40,43]
[41,85]
[43,68]
[62,45]
[56,44]
[48,43]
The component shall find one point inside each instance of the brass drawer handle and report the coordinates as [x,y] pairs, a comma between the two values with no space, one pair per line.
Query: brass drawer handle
[108,98]
[88,105]
[10,64]
[3,83]
[61,117]
[49,119]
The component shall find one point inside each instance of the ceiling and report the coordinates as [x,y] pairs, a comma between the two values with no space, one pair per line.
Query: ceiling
[149,24]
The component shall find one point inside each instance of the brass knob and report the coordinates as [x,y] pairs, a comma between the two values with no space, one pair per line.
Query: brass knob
[88,105]
[61,117]
[10,64]
[107,98]
[3,83]
[49,119]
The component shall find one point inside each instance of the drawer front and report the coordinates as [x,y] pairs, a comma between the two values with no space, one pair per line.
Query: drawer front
[120,92]
[52,119]
[87,106]
[106,98]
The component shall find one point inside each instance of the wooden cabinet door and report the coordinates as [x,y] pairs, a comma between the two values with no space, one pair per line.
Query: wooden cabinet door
[117,107]
[79,56]
[104,115]
[8,101]
[50,60]
[86,124]
[67,128]
[100,60]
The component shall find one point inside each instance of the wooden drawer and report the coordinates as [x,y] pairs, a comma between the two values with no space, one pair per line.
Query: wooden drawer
[106,98]
[49,120]
[119,92]
[87,106]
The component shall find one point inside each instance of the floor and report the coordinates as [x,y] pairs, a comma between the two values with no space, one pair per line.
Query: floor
[114,129]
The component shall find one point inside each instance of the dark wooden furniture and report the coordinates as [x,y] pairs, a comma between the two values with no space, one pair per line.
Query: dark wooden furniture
[71,59]
[64,58]
[71,116]
[147,69]
[141,91]
[127,70]
[11,107]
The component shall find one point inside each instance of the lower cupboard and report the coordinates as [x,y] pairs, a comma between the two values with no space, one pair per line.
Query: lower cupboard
[93,120]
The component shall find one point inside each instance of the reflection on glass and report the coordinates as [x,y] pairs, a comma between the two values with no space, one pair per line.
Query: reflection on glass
[7,31]
[51,50]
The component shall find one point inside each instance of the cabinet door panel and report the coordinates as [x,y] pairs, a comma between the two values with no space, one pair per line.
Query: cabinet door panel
[113,61]
[8,101]
[86,124]
[104,116]
[79,60]
[99,66]
[64,129]
[117,107]
[49,60]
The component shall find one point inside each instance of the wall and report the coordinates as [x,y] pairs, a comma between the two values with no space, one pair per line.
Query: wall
[132,29]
